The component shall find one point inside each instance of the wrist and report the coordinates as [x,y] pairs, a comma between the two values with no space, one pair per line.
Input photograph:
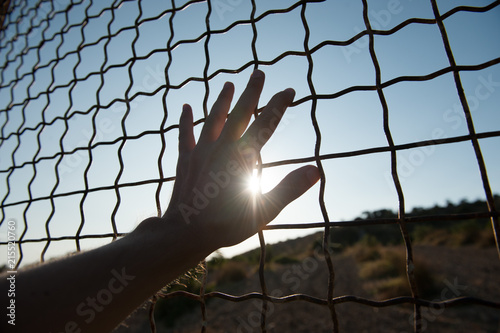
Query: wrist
[167,241]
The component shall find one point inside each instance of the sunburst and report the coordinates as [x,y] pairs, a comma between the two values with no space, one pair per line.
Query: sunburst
[253,183]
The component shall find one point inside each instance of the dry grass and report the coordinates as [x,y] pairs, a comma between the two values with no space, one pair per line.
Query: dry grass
[383,271]
[230,272]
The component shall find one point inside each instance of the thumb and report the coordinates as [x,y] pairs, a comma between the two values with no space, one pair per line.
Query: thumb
[290,188]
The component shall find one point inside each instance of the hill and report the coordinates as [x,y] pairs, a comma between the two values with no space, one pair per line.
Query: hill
[369,262]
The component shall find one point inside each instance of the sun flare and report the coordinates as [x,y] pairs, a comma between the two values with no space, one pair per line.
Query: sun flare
[253,183]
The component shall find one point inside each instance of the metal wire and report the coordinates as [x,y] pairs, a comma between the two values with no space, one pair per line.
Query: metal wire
[24,18]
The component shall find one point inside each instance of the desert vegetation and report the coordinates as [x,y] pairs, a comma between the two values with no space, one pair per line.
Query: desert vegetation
[452,259]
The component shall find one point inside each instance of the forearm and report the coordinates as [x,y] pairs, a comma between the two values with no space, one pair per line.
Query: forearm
[94,291]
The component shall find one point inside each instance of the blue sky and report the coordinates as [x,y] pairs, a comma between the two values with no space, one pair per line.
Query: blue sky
[418,111]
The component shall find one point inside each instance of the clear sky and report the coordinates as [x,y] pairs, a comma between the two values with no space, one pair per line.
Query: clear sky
[418,111]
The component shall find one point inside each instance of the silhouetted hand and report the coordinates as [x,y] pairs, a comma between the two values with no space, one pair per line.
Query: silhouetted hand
[210,191]
[211,207]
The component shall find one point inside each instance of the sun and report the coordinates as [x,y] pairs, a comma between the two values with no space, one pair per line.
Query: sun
[253,183]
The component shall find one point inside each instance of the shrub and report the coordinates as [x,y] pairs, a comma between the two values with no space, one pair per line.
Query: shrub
[390,264]
[392,287]
[426,281]
[230,272]
[377,269]
[486,238]
[364,253]
[432,236]
[285,260]
[369,240]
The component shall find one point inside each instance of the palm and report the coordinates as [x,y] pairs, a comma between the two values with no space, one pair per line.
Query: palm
[210,190]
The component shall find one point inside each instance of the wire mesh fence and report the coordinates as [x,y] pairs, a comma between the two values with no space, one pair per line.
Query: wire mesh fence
[87,86]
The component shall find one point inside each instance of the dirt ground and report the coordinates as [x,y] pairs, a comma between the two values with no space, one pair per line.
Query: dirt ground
[468,271]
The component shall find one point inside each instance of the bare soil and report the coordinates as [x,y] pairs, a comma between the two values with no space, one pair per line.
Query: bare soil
[454,272]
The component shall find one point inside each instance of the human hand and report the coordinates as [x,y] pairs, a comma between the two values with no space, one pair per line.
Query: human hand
[210,208]
[210,191]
